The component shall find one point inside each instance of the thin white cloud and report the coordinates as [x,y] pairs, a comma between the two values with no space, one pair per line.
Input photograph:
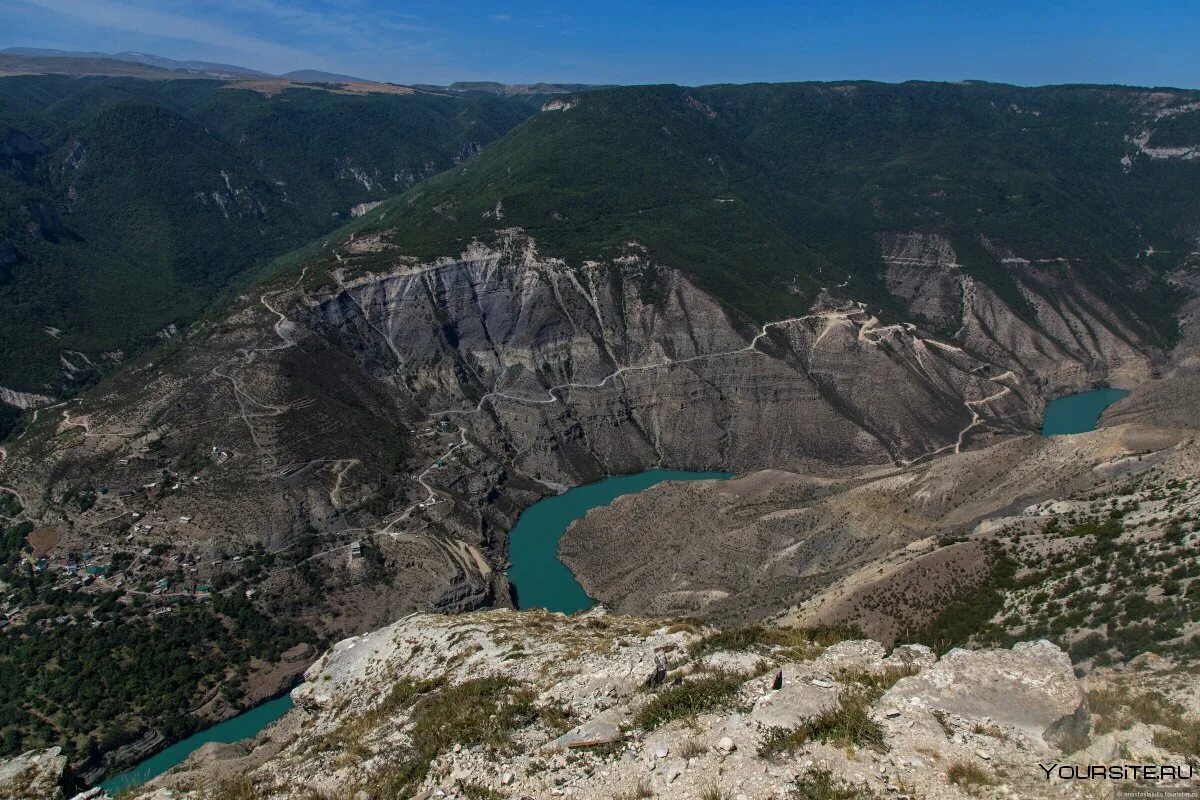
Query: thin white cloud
[138,19]
[328,22]
[500,17]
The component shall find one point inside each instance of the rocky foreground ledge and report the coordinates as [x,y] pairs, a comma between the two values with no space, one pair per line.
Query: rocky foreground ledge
[506,704]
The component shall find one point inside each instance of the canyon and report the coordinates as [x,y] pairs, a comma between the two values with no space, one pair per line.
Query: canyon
[350,441]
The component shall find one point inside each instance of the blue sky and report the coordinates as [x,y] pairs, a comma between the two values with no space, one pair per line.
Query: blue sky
[1054,41]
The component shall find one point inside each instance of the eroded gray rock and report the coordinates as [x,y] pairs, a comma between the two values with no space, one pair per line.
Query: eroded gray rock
[1031,688]
[794,703]
[33,775]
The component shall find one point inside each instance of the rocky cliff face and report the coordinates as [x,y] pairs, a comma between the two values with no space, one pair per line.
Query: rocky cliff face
[561,375]
[34,775]
[867,550]
[1065,335]
[572,374]
[323,402]
[353,445]
[531,705]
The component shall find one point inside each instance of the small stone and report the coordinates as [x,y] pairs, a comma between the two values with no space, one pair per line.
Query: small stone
[892,712]
[659,673]
[661,750]
[457,747]
[822,684]
[506,779]
[726,745]
[983,754]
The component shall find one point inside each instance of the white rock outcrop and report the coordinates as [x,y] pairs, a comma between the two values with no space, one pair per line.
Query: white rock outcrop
[617,706]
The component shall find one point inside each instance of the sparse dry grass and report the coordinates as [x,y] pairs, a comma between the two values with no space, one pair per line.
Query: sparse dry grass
[1119,707]
[689,699]
[989,730]
[639,792]
[1185,740]
[483,712]
[795,642]
[819,784]
[349,735]
[875,684]
[969,776]
[473,791]
[848,725]
[239,787]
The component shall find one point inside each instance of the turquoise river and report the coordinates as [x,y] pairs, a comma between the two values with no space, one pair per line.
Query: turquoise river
[1078,413]
[542,581]
[243,726]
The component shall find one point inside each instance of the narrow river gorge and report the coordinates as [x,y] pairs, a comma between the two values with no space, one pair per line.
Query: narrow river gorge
[540,578]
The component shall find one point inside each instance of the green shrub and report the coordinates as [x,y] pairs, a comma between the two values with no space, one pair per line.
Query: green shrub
[473,791]
[759,636]
[819,784]
[484,711]
[969,776]
[689,699]
[848,725]
[1185,740]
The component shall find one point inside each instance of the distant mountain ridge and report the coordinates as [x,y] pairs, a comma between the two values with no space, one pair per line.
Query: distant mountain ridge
[205,68]
[541,87]
[93,62]
[320,76]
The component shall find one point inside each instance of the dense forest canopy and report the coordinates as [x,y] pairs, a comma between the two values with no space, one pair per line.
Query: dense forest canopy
[127,204]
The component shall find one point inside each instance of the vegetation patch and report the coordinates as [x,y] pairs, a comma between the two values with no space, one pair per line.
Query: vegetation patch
[819,784]
[1185,741]
[761,637]
[1119,708]
[689,698]
[239,787]
[874,684]
[93,688]
[639,792]
[848,725]
[349,734]
[972,610]
[473,791]
[1096,597]
[485,711]
[969,776]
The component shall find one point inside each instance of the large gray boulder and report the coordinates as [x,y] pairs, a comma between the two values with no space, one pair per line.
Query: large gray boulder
[1030,688]
[33,775]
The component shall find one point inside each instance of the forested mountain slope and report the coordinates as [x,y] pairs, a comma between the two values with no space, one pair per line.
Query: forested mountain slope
[767,192]
[126,204]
